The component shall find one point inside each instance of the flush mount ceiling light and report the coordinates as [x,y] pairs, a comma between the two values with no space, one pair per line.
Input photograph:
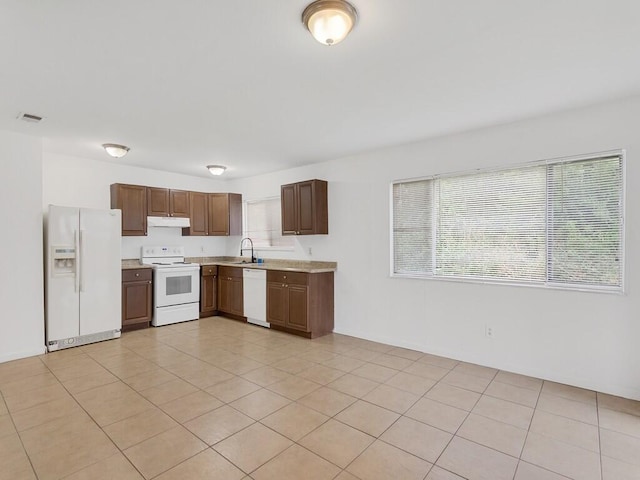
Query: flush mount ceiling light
[115,150]
[329,21]
[216,169]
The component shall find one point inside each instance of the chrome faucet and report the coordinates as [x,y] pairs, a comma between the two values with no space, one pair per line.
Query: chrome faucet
[253,258]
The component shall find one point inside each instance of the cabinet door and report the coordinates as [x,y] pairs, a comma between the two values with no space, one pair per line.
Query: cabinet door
[236,296]
[136,302]
[179,203]
[306,205]
[224,294]
[277,303]
[218,214]
[313,218]
[157,202]
[298,307]
[208,293]
[198,215]
[289,209]
[132,200]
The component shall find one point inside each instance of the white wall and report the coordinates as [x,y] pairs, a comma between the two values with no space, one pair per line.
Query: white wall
[80,182]
[585,339]
[21,276]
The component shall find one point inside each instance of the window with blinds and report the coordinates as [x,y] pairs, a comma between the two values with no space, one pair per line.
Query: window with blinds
[556,223]
[263,224]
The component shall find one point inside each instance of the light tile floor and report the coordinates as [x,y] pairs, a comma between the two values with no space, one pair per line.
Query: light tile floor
[218,399]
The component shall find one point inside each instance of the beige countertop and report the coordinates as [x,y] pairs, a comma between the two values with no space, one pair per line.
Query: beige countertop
[130,264]
[269,264]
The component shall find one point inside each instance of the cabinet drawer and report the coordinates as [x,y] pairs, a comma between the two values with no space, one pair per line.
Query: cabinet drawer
[209,270]
[293,278]
[233,272]
[136,275]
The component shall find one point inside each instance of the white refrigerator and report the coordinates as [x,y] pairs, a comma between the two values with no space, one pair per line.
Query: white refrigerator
[83,276]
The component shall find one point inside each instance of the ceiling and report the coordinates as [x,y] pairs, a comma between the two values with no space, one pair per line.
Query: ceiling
[241,83]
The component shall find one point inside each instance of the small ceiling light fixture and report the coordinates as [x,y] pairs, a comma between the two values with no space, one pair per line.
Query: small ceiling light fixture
[216,169]
[329,21]
[115,150]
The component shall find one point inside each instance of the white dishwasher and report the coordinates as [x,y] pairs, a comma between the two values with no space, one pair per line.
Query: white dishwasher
[255,296]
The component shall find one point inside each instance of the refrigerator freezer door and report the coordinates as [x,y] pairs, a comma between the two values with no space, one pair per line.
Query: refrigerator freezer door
[62,313]
[100,277]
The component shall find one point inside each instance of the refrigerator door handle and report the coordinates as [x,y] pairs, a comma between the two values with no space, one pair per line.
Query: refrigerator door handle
[76,279]
[79,256]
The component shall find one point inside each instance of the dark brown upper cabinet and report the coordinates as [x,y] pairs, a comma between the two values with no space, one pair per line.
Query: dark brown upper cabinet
[224,214]
[198,215]
[132,200]
[164,202]
[209,213]
[304,208]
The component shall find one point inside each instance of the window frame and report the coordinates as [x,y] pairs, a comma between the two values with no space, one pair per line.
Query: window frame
[271,248]
[618,290]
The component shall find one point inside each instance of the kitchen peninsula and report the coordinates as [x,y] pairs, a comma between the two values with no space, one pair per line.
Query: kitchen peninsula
[299,293]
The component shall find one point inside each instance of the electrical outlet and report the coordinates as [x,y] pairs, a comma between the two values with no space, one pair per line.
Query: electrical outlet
[488,331]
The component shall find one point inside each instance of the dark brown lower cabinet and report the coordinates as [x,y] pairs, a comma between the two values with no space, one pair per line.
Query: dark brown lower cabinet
[300,303]
[277,303]
[230,291]
[136,298]
[208,290]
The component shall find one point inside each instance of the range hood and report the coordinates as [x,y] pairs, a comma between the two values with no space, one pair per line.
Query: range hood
[177,222]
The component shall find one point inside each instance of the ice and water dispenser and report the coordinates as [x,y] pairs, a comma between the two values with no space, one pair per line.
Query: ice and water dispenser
[63,261]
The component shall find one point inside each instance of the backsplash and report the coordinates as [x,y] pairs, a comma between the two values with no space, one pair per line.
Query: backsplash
[194,246]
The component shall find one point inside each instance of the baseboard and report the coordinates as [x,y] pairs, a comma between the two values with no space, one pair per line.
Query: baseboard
[625,391]
[7,357]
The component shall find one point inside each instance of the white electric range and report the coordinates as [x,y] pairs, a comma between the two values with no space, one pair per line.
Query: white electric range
[176,285]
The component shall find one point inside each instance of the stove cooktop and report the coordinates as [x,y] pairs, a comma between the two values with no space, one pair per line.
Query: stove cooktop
[165,257]
[172,264]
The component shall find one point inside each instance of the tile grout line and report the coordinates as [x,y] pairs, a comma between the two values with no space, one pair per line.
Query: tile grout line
[599,439]
[99,427]
[20,437]
[182,342]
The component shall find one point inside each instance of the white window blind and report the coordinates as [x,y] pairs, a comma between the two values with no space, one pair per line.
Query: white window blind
[554,223]
[263,224]
[585,222]
[412,226]
[492,225]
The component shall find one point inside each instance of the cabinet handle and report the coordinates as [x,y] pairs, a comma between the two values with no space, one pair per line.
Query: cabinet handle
[283,285]
[149,282]
[137,274]
[284,276]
